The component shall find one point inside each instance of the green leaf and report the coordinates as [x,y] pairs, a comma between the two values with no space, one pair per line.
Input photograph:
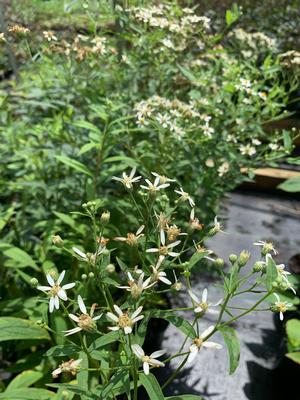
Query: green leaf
[188,74]
[78,166]
[27,394]
[271,273]
[74,389]
[5,217]
[21,329]
[118,381]
[127,161]
[63,350]
[291,185]
[152,386]
[295,356]
[196,257]
[293,332]
[180,323]
[24,379]
[65,219]
[87,125]
[21,258]
[233,347]
[104,340]
[87,147]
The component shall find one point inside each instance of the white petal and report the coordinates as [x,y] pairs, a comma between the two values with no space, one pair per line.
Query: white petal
[136,312]
[157,353]
[97,317]
[72,331]
[198,309]
[193,353]
[277,297]
[118,310]
[50,280]
[152,250]
[162,237]
[44,288]
[69,285]
[79,253]
[132,173]
[81,305]
[194,297]
[146,368]
[173,254]
[74,317]
[156,362]
[212,311]
[138,351]
[212,345]
[62,294]
[61,277]
[281,316]
[56,302]
[165,280]
[114,328]
[204,296]
[207,331]
[140,230]
[120,239]
[127,330]
[112,317]
[51,304]
[171,245]
[136,319]
[217,303]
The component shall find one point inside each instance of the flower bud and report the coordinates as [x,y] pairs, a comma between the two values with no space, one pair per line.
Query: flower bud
[34,282]
[243,258]
[91,274]
[110,268]
[105,217]
[57,241]
[219,262]
[177,286]
[187,274]
[84,277]
[259,267]
[233,258]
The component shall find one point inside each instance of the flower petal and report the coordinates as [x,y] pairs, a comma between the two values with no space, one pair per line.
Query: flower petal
[50,280]
[157,353]
[138,351]
[204,295]
[146,368]
[81,305]
[136,312]
[61,277]
[74,317]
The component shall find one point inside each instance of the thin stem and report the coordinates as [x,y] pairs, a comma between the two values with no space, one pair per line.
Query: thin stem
[175,373]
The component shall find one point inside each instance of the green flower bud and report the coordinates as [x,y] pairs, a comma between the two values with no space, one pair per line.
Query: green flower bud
[259,267]
[34,282]
[233,258]
[243,258]
[91,274]
[219,262]
[177,286]
[187,274]
[57,241]
[84,277]
[110,268]
[105,217]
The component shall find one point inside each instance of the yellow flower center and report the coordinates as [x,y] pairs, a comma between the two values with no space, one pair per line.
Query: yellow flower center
[281,306]
[125,320]
[163,250]
[131,239]
[86,322]
[204,306]
[55,289]
[198,342]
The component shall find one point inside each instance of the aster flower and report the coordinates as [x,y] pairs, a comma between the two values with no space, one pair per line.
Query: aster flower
[132,238]
[267,247]
[202,342]
[159,275]
[162,178]
[124,320]
[71,366]
[55,291]
[280,306]
[85,321]
[148,360]
[184,196]
[155,186]
[202,305]
[137,287]
[88,257]
[194,222]
[165,250]
[128,180]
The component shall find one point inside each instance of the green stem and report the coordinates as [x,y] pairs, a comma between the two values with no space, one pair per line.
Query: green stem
[175,373]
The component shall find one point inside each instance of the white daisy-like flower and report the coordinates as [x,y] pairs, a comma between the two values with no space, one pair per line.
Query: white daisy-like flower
[202,305]
[162,178]
[55,291]
[159,275]
[148,360]
[280,306]
[128,180]
[217,226]
[165,250]
[85,321]
[202,342]
[267,247]
[132,238]
[71,367]
[124,320]
[88,257]
[184,196]
[155,186]
[137,287]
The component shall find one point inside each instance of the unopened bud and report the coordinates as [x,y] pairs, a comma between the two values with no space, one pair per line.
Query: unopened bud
[187,274]
[243,258]
[34,282]
[259,267]
[219,262]
[57,241]
[84,277]
[91,274]
[105,217]
[110,268]
[233,258]
[177,286]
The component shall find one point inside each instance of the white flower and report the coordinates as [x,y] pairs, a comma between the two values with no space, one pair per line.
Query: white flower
[155,186]
[184,196]
[148,360]
[165,250]
[84,321]
[88,257]
[160,275]
[126,180]
[137,287]
[267,247]
[201,342]
[280,306]
[247,150]
[49,35]
[55,291]
[71,366]
[124,321]
[162,179]
[217,227]
[202,305]
[256,142]
[163,120]
[132,238]
[223,169]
